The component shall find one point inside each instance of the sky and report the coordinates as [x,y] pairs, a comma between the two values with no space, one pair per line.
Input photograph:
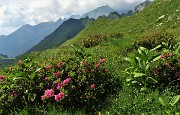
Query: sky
[15,13]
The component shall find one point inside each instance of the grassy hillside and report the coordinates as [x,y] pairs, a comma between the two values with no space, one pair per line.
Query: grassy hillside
[113,40]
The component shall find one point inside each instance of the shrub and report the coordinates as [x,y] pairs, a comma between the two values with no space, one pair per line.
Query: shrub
[70,82]
[152,40]
[141,64]
[168,67]
[93,40]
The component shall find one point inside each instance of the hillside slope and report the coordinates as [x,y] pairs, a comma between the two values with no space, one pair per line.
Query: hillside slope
[67,30]
[160,15]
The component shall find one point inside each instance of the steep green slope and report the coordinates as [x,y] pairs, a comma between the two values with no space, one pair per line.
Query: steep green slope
[160,15]
[66,31]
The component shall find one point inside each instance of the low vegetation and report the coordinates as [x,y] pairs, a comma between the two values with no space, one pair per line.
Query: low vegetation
[98,72]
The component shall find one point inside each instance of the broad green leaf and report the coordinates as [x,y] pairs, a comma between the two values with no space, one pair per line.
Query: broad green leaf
[132,61]
[33,75]
[38,70]
[142,57]
[128,79]
[174,100]
[163,102]
[147,66]
[157,47]
[155,58]
[153,79]
[138,74]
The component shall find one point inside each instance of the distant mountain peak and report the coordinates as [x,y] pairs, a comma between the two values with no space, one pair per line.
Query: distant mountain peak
[99,11]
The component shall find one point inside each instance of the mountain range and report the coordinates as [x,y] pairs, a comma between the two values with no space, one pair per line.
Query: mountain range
[51,34]
[26,37]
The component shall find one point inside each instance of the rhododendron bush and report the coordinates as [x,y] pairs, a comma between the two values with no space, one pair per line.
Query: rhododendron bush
[69,81]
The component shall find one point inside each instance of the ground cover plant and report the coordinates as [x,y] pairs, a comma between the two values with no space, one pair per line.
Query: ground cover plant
[143,96]
[71,81]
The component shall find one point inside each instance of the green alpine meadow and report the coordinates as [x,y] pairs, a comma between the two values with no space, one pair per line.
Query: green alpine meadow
[127,65]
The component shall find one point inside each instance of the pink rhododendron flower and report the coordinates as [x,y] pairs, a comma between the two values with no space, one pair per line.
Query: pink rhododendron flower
[92,70]
[59,86]
[169,54]
[166,64]
[54,82]
[46,78]
[59,96]
[84,71]
[177,74]
[97,65]
[48,67]
[104,70]
[49,92]
[1,78]
[92,86]
[66,81]
[84,62]
[102,60]
[13,94]
[59,65]
[43,97]
[57,73]
[162,56]
[51,58]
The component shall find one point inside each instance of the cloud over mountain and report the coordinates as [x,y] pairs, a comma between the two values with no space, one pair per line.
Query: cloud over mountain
[16,13]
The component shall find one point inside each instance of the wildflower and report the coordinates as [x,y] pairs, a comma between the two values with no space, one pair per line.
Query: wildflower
[92,70]
[59,86]
[49,92]
[97,65]
[59,65]
[104,70]
[48,67]
[57,73]
[1,78]
[54,82]
[177,74]
[43,97]
[46,78]
[59,96]
[85,71]
[102,60]
[92,86]
[162,56]
[51,58]
[13,93]
[166,64]
[169,54]
[66,81]
[83,62]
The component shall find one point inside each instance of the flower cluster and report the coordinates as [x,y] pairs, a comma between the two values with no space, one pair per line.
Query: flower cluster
[1,78]
[168,69]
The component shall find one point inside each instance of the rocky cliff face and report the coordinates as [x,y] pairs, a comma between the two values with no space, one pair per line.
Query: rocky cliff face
[141,6]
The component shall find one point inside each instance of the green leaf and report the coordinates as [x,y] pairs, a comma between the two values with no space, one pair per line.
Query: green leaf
[33,75]
[174,100]
[38,70]
[163,102]
[155,58]
[157,47]
[138,74]
[142,57]
[143,50]
[133,61]
[153,79]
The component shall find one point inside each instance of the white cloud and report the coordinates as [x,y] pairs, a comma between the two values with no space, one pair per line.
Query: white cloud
[15,13]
